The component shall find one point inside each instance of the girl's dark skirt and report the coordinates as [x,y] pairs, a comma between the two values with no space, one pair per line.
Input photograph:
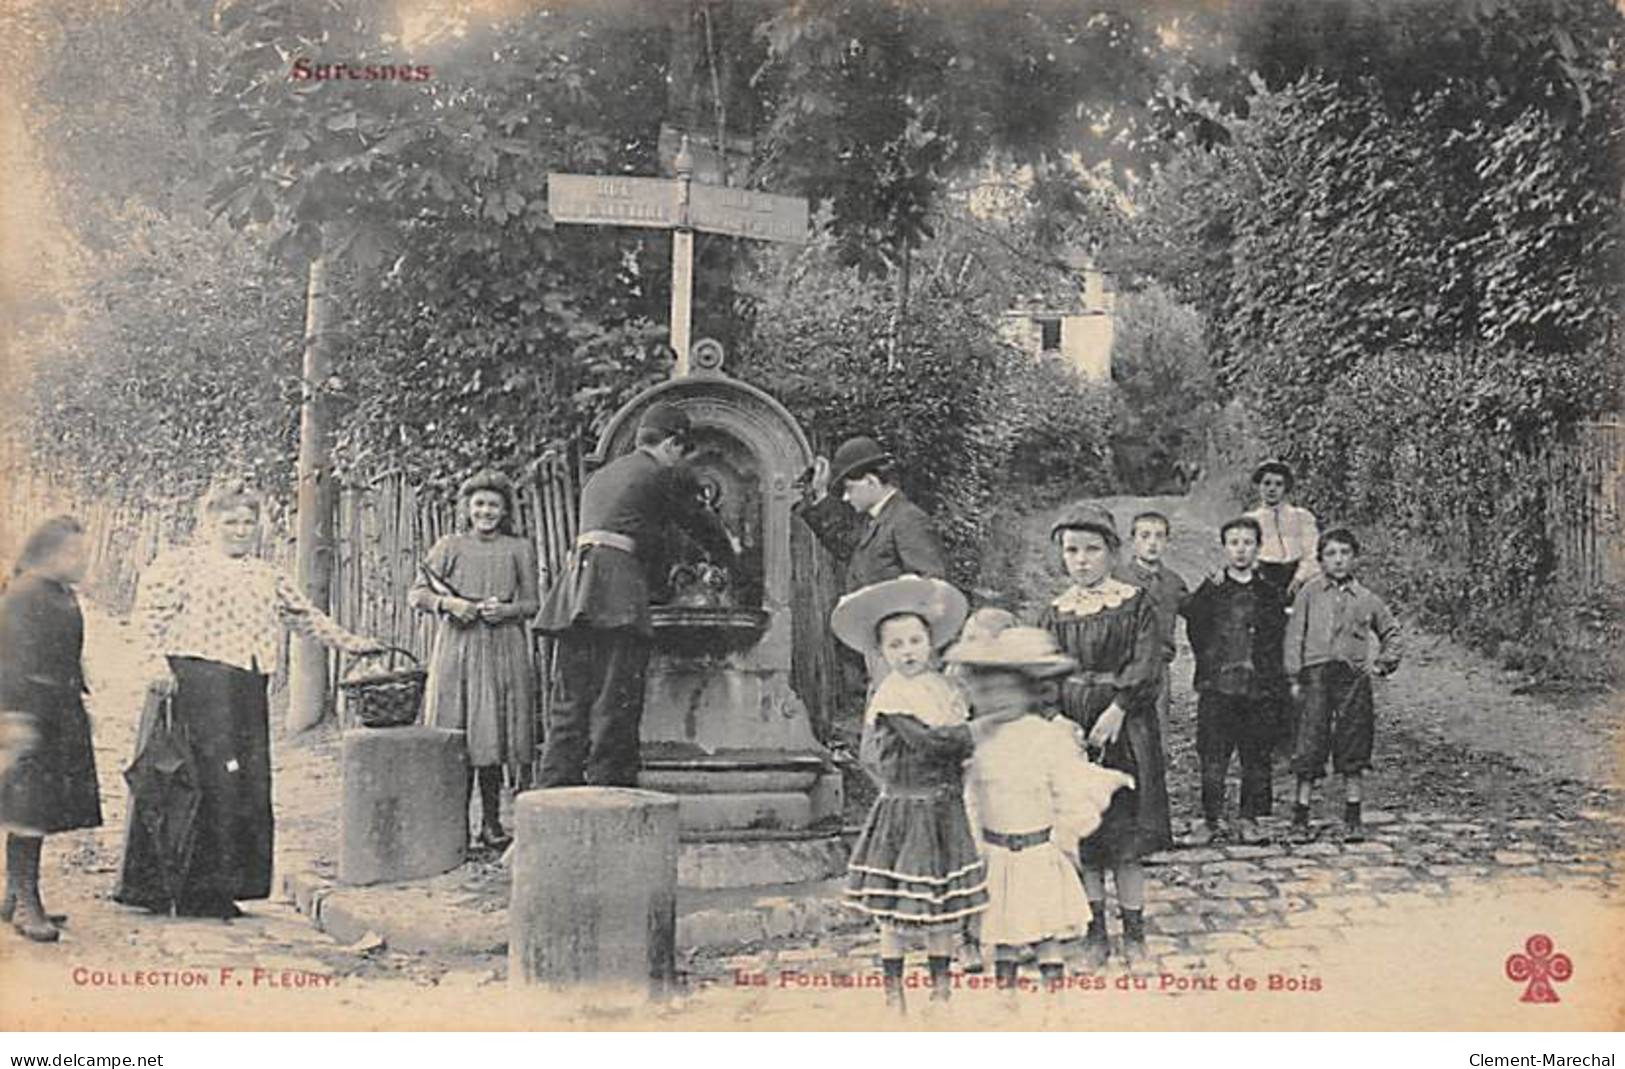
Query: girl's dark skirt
[1137,822]
[223,713]
[52,786]
[916,862]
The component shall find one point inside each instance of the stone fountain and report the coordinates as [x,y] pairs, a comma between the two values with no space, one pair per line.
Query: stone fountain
[759,799]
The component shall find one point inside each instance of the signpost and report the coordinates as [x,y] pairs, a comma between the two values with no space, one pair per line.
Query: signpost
[682,206]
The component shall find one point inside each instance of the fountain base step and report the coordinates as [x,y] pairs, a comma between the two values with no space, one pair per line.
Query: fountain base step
[760,863]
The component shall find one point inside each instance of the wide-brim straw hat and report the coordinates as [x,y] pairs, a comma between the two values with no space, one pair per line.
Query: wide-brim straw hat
[937,602]
[1029,650]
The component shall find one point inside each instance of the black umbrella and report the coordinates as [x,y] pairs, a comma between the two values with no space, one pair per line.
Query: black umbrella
[164,799]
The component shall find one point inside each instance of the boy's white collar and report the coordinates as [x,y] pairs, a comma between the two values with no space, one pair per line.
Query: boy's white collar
[874,510]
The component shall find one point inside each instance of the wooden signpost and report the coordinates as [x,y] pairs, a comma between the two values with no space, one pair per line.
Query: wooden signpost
[682,206]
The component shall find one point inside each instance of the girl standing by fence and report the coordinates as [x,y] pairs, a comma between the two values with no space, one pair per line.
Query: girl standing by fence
[481,587]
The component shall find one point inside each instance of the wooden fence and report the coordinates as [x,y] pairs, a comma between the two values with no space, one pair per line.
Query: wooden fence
[382,530]
[385,528]
[1585,481]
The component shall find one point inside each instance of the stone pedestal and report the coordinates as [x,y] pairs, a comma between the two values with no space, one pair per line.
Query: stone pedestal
[724,728]
[594,900]
[404,813]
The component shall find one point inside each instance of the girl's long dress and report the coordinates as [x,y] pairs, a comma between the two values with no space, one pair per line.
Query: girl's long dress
[51,787]
[1028,776]
[915,861]
[1111,630]
[480,677]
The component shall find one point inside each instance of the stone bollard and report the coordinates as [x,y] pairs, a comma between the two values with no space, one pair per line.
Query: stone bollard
[594,898]
[405,808]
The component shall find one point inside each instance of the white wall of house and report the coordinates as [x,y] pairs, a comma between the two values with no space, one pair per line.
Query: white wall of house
[1081,335]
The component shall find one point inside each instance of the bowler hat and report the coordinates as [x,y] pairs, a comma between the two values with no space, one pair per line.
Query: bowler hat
[666,419]
[1273,466]
[937,602]
[1030,650]
[1086,516]
[855,454]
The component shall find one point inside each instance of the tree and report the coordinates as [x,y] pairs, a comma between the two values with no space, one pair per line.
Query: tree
[1410,271]
[1165,388]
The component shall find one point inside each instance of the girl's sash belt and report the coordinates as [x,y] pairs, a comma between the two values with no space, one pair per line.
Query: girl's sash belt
[1016,843]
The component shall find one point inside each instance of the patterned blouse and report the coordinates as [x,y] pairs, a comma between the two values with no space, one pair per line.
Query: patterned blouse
[199,602]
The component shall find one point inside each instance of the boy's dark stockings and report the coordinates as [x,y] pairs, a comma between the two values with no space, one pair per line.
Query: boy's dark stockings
[1053,973]
[941,982]
[1301,832]
[22,858]
[1353,829]
[1004,974]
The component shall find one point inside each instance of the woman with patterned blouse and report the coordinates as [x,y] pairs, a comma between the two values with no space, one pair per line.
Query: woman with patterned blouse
[481,586]
[213,616]
[1110,629]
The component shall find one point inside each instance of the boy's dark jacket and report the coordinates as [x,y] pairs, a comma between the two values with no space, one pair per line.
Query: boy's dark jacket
[1237,632]
[897,542]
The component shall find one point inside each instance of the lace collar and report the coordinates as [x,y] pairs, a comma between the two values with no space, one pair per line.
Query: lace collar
[927,697]
[1088,600]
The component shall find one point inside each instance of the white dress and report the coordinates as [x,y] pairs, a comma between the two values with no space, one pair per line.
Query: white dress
[1028,775]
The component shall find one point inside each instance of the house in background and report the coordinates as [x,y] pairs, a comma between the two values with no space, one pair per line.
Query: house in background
[1077,329]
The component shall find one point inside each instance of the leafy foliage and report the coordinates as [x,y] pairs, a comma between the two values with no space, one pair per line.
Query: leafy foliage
[184,365]
[966,415]
[883,106]
[1165,388]
[1414,281]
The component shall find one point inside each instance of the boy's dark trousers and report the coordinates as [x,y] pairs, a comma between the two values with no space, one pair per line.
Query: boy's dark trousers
[1225,724]
[593,726]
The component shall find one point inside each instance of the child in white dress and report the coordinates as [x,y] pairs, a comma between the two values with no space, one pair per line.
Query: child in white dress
[1036,794]
[984,623]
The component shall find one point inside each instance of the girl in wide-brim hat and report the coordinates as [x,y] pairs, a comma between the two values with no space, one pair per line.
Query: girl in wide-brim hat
[1036,794]
[915,866]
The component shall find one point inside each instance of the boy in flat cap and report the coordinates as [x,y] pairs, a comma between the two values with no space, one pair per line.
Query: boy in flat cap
[599,607]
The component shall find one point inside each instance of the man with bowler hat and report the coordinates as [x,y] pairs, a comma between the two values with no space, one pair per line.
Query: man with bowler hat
[599,607]
[892,537]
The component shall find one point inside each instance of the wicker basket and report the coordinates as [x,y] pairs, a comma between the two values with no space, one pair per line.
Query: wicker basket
[387,699]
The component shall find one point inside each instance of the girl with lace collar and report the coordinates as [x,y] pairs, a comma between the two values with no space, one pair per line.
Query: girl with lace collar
[1110,628]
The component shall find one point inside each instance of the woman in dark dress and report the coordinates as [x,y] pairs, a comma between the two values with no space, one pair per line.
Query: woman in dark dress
[214,614]
[47,767]
[1110,629]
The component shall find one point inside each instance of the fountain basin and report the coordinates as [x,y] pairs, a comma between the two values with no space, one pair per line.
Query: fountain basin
[695,630]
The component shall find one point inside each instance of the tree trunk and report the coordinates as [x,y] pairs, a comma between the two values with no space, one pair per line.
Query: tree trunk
[313,548]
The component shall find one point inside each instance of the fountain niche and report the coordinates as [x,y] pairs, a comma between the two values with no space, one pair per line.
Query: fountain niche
[759,800]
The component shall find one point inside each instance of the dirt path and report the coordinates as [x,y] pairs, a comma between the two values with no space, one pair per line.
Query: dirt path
[1451,736]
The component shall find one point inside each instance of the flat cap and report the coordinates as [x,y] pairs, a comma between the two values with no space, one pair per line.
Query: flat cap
[665,418]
